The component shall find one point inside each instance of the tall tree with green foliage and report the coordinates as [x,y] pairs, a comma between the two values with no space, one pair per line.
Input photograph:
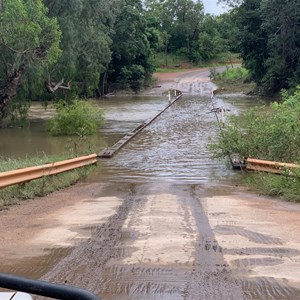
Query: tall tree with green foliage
[210,41]
[27,37]
[269,41]
[281,21]
[87,28]
[253,38]
[131,63]
[180,21]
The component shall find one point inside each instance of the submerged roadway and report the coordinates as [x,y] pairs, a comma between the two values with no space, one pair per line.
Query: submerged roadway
[152,227]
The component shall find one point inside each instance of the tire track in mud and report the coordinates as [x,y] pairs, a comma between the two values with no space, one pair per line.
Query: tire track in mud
[250,235]
[147,273]
[273,251]
[134,265]
[259,270]
[84,266]
[268,288]
[211,277]
[120,262]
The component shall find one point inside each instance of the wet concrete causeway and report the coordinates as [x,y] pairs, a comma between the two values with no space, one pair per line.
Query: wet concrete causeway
[161,220]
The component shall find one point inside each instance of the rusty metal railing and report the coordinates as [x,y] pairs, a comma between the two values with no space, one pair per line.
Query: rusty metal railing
[23,175]
[270,166]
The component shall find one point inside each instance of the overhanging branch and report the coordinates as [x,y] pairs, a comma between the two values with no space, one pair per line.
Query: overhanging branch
[53,87]
[8,47]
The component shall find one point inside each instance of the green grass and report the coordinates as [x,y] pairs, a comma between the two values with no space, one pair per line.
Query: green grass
[178,63]
[285,187]
[39,187]
[231,74]
[233,80]
[267,132]
[170,70]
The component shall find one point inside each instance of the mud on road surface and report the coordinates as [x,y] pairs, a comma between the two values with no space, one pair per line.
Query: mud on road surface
[163,241]
[130,236]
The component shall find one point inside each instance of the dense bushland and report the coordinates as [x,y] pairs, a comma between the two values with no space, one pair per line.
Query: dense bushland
[54,49]
[268,39]
[271,133]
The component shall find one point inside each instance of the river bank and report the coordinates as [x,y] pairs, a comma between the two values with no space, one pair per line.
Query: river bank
[161,220]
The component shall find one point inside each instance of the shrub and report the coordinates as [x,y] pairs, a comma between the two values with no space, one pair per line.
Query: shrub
[230,75]
[271,133]
[78,118]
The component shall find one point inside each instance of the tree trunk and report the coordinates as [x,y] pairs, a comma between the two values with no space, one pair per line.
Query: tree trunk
[13,76]
[9,90]
[102,86]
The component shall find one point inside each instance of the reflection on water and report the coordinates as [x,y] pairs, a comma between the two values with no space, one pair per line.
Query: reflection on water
[122,114]
[32,141]
[174,147]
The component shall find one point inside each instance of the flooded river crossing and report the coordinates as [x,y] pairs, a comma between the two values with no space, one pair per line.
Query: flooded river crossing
[161,219]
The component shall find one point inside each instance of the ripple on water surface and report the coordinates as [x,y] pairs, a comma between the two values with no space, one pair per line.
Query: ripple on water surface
[174,147]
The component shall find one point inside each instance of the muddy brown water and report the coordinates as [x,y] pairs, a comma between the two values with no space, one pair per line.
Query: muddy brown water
[179,227]
[122,114]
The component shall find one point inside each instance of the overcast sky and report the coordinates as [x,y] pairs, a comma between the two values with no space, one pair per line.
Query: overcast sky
[211,7]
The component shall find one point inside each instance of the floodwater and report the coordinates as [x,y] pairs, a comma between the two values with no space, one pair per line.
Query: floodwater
[167,222]
[122,114]
[174,147]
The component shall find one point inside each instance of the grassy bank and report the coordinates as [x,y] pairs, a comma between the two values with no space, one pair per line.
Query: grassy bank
[270,133]
[233,80]
[179,63]
[285,187]
[39,187]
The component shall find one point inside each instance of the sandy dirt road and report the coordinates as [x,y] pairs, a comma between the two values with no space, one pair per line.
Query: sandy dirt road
[157,240]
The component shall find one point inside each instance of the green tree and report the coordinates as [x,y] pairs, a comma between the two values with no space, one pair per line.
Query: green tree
[269,41]
[231,3]
[131,63]
[80,118]
[87,28]
[252,38]
[27,37]
[210,42]
[180,21]
[281,22]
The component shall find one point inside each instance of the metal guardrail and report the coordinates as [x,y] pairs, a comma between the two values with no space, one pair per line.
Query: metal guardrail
[23,175]
[43,288]
[269,166]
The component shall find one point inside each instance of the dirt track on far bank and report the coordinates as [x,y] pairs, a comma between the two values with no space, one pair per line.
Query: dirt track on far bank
[157,240]
[194,81]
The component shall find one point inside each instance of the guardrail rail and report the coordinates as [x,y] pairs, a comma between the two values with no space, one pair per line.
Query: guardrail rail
[26,174]
[269,166]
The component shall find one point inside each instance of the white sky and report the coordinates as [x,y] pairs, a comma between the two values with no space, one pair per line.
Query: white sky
[211,7]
